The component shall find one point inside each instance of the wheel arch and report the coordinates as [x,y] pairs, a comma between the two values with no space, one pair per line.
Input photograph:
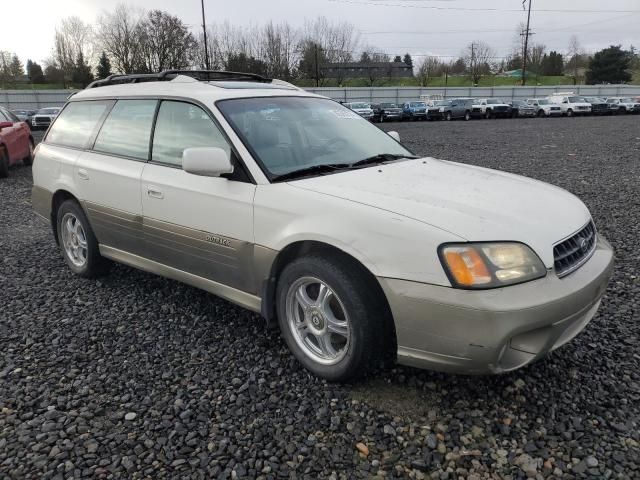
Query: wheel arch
[57,199]
[302,248]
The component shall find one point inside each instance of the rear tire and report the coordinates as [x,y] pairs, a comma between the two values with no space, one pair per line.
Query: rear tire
[28,160]
[77,241]
[448,117]
[342,328]
[4,163]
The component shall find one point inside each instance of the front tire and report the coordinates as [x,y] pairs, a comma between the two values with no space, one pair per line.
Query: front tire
[78,242]
[448,117]
[330,317]
[467,116]
[569,113]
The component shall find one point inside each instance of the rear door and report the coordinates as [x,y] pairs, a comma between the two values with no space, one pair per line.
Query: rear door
[200,225]
[108,174]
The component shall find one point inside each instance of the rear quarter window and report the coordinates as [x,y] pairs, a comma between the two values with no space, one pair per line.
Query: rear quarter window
[76,124]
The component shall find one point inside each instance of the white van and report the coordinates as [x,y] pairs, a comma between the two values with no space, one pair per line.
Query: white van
[571,104]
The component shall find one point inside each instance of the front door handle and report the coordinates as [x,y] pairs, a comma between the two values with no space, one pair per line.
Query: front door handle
[83,174]
[154,192]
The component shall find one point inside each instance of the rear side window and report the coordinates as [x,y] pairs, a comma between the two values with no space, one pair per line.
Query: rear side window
[127,129]
[180,126]
[76,124]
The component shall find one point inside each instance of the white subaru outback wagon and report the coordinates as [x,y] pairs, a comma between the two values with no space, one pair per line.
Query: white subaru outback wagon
[294,206]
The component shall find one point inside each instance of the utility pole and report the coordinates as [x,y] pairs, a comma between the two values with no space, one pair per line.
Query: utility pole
[526,45]
[206,46]
[317,65]
[473,68]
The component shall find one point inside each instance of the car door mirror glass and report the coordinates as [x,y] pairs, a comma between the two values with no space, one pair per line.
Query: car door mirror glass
[395,135]
[206,161]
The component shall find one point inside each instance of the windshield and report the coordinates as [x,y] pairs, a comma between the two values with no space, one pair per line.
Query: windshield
[626,100]
[388,105]
[443,103]
[577,100]
[493,101]
[360,105]
[48,111]
[543,102]
[287,134]
[418,104]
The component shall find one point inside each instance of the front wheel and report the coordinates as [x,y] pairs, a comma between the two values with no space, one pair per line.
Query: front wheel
[330,317]
[448,117]
[78,242]
[569,113]
[467,116]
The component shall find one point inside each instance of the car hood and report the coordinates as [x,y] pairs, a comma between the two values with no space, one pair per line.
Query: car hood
[472,203]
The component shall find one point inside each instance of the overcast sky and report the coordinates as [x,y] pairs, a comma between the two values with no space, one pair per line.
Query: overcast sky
[436,27]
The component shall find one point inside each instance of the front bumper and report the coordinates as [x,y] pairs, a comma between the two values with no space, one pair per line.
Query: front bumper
[495,331]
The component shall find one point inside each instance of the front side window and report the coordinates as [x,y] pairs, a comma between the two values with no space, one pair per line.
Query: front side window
[287,134]
[77,123]
[180,126]
[127,129]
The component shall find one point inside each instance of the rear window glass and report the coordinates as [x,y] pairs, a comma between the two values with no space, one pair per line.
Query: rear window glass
[127,129]
[75,125]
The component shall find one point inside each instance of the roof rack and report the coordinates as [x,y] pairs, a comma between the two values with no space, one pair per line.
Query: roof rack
[168,75]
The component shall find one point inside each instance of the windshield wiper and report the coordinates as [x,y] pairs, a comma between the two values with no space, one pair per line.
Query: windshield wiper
[332,167]
[380,158]
[312,170]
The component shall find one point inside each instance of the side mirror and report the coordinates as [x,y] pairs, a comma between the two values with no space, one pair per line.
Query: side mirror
[5,125]
[206,161]
[395,135]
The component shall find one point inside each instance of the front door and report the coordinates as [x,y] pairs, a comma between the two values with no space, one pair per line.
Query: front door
[196,224]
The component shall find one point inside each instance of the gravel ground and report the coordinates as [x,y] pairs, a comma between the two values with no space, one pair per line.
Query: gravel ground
[135,376]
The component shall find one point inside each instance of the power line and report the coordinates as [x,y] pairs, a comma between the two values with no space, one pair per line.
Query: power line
[468,9]
[526,44]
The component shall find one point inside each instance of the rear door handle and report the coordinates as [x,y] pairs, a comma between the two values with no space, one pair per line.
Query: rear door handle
[83,174]
[154,192]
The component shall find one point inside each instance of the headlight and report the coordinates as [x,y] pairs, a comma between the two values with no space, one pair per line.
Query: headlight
[490,265]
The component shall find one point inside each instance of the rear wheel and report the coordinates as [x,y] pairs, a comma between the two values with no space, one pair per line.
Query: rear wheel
[330,317]
[488,115]
[78,242]
[28,160]
[569,113]
[4,163]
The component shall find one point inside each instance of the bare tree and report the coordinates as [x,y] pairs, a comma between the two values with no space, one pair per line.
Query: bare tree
[337,39]
[575,56]
[165,42]
[428,68]
[117,36]
[278,48]
[478,58]
[73,37]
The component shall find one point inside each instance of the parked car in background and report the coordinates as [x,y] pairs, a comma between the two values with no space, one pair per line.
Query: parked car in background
[24,115]
[16,142]
[459,108]
[43,118]
[436,111]
[623,105]
[414,111]
[494,108]
[357,248]
[520,108]
[571,104]
[386,112]
[599,106]
[361,108]
[545,107]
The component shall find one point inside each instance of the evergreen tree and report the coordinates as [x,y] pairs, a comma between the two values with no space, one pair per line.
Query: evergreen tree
[34,72]
[81,71]
[397,59]
[552,64]
[15,68]
[408,60]
[610,65]
[104,66]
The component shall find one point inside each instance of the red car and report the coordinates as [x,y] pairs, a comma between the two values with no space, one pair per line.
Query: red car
[16,142]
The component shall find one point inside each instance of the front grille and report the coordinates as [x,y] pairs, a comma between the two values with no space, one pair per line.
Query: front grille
[573,252]
[555,108]
[42,119]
